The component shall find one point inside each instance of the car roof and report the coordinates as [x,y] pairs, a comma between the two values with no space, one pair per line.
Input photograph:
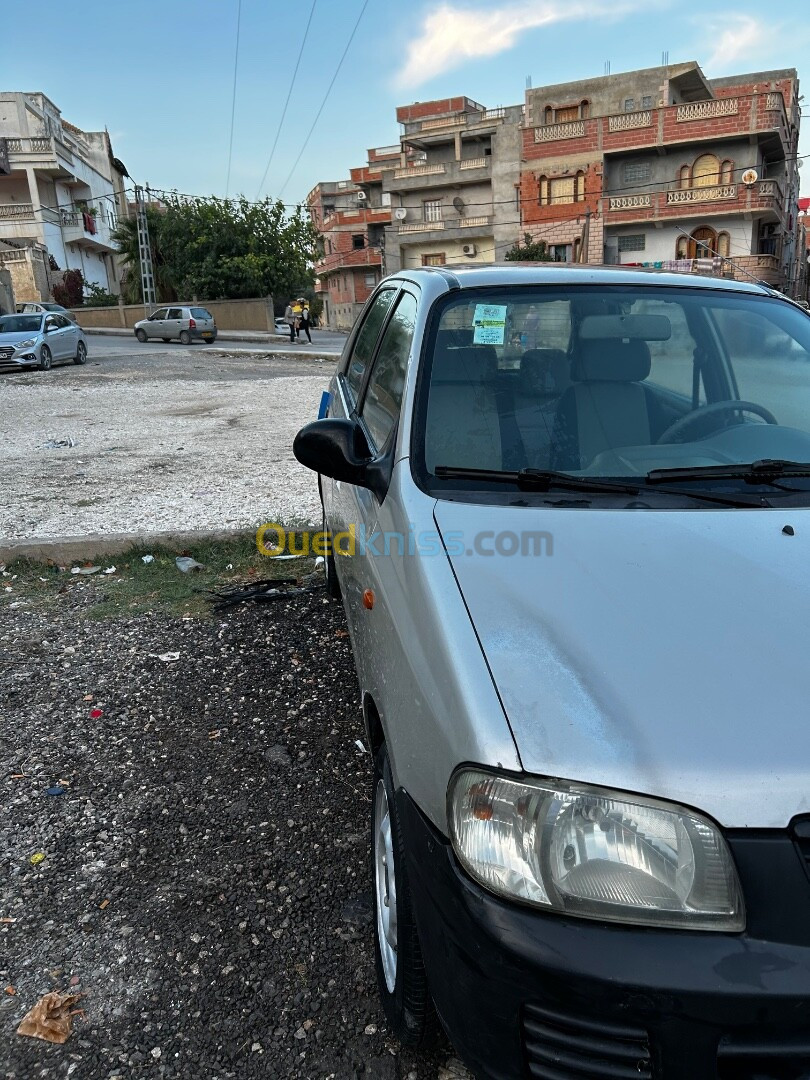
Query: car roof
[494,274]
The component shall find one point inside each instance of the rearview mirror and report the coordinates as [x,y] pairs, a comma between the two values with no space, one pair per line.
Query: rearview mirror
[337,448]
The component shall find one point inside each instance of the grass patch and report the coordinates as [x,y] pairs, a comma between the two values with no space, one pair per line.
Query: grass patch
[137,587]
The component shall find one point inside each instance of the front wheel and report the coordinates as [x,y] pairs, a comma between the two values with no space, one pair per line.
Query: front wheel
[141,336]
[45,359]
[81,354]
[185,337]
[401,977]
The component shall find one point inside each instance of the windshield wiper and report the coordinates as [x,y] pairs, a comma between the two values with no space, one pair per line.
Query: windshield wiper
[757,472]
[546,479]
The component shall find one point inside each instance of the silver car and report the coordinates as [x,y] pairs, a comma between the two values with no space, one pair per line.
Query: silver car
[40,340]
[183,322]
[578,597]
[32,307]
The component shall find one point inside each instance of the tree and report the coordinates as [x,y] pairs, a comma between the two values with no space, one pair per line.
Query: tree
[532,251]
[218,249]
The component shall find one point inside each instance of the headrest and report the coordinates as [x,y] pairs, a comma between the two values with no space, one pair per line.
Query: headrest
[611,360]
[543,372]
[473,363]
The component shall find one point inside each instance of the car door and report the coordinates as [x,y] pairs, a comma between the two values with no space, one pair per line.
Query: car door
[55,337]
[69,333]
[155,325]
[379,539]
[174,323]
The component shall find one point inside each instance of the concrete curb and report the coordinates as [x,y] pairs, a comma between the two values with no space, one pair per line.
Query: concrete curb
[71,549]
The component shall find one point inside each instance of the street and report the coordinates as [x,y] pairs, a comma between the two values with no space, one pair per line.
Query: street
[324,342]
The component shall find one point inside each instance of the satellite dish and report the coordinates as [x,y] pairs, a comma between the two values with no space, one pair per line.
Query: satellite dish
[400,213]
[361,196]
[749,177]
[458,204]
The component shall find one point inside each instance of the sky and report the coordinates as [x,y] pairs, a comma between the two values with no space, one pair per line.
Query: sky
[160,75]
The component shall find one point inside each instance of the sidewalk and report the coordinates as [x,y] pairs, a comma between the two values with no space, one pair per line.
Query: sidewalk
[254,336]
[261,341]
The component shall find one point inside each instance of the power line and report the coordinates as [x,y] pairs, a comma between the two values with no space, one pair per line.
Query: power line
[325,97]
[287,102]
[233,96]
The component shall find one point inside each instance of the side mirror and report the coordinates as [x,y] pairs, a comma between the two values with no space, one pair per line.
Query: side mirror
[337,448]
[49,327]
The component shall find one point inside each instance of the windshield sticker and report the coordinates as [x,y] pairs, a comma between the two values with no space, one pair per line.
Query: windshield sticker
[489,321]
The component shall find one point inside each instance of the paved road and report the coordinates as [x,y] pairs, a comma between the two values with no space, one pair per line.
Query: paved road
[324,343]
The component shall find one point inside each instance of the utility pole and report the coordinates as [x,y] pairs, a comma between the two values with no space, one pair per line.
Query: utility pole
[586,237]
[145,253]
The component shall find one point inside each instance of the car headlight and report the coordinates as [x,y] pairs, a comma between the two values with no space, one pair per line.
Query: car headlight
[30,343]
[594,853]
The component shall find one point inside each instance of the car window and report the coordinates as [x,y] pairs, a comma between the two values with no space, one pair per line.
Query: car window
[201,313]
[159,314]
[366,340]
[60,321]
[672,362]
[175,313]
[383,396]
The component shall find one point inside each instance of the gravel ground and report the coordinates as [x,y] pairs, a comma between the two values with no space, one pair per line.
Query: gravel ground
[205,880]
[207,448]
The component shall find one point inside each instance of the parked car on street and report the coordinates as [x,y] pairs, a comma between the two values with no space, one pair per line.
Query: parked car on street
[31,308]
[40,340]
[187,323]
[578,597]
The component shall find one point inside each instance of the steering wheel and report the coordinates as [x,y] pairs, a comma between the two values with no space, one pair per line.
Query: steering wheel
[674,432]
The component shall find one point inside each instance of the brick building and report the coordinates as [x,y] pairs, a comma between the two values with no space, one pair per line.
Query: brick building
[667,167]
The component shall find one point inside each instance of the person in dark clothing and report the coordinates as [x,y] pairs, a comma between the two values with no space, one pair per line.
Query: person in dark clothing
[305,320]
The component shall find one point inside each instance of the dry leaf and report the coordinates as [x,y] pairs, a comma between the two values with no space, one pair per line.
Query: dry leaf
[103,904]
[10,991]
[50,1018]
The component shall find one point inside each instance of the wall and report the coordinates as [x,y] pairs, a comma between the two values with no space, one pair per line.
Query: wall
[412,254]
[661,242]
[7,301]
[229,314]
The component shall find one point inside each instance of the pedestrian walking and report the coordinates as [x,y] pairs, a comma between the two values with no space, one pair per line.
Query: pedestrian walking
[289,318]
[305,320]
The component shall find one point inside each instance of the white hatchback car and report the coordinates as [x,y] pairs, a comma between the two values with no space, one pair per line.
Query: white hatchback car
[578,595]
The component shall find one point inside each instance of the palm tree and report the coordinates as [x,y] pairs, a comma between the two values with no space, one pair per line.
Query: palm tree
[126,236]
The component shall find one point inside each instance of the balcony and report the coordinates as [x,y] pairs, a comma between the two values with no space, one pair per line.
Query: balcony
[340,260]
[446,224]
[764,199]
[441,174]
[45,155]
[75,231]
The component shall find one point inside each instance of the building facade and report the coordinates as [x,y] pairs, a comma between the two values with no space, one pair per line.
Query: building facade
[667,169]
[61,195]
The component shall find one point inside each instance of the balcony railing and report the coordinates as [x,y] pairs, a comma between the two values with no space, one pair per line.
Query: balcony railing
[629,202]
[573,129]
[473,163]
[474,222]
[443,122]
[702,194]
[421,226]
[12,256]
[418,170]
[626,121]
[706,110]
[16,212]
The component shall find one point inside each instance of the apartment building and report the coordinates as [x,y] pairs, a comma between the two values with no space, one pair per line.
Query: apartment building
[61,193]
[351,216]
[663,167]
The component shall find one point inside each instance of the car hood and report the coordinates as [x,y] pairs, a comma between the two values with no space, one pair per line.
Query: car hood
[14,339]
[660,652]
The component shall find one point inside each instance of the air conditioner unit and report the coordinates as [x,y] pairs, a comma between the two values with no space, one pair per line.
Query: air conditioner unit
[468,249]
[361,196]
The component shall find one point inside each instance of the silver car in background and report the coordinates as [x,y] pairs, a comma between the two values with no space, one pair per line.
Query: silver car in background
[185,322]
[571,526]
[40,340]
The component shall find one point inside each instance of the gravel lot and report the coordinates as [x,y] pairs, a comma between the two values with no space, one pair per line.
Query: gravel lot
[205,879]
[187,439]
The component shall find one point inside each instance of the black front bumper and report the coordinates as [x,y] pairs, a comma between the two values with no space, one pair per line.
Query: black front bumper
[525,994]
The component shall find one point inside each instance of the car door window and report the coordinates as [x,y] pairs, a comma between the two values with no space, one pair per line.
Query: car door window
[158,315]
[175,313]
[366,340]
[62,322]
[383,397]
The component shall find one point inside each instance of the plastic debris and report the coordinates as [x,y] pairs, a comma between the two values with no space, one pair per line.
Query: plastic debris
[359,746]
[85,570]
[37,858]
[260,591]
[60,444]
[320,562]
[186,564]
[50,1019]
[56,790]
[147,558]
[110,570]
[283,558]
[168,657]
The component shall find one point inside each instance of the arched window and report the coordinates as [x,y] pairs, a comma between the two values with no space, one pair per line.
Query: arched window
[579,190]
[723,245]
[706,171]
[548,115]
[542,184]
[727,172]
[682,248]
[584,109]
[684,176]
[577,249]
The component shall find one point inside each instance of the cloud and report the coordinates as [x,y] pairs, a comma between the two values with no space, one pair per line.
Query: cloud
[452,35]
[738,37]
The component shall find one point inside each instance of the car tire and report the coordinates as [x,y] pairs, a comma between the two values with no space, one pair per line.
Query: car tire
[45,359]
[81,354]
[140,335]
[408,1006]
[330,570]
[185,337]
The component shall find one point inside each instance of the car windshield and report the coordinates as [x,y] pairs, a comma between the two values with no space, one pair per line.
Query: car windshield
[20,324]
[612,381]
